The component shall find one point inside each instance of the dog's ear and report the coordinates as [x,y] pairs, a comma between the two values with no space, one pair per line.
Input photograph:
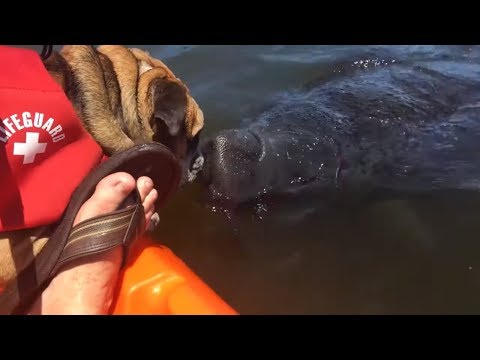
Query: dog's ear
[169,100]
[169,106]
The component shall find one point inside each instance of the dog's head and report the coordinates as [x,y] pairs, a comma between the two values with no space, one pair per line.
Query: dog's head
[137,95]
[177,123]
[174,117]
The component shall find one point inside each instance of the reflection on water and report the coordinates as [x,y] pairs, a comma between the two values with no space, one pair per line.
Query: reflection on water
[304,257]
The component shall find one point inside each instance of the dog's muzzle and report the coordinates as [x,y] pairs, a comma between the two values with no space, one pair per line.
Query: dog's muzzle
[195,168]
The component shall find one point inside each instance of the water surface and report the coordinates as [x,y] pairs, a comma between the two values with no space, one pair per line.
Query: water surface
[392,257]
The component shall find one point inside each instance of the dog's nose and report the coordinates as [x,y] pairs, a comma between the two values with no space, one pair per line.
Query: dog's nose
[198,162]
[196,166]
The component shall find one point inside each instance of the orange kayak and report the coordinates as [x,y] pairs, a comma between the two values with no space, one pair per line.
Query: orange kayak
[156,282]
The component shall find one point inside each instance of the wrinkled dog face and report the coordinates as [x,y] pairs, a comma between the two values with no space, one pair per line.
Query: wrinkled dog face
[155,104]
[169,122]
[176,120]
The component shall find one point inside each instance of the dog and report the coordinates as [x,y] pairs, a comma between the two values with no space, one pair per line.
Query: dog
[124,97]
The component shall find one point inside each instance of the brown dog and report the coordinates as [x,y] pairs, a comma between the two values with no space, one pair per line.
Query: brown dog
[123,97]
[126,97]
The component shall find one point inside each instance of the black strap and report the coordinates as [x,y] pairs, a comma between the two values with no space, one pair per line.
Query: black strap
[46,52]
[102,233]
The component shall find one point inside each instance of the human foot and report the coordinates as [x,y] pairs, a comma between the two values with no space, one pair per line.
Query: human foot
[86,286]
[112,191]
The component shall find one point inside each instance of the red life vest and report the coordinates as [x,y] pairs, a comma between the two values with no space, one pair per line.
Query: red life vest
[45,152]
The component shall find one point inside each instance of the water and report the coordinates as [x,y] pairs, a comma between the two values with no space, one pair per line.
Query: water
[393,257]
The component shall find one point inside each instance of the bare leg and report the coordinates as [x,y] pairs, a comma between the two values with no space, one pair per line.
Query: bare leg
[86,286]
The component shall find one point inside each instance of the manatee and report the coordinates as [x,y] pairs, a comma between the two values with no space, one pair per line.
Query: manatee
[402,128]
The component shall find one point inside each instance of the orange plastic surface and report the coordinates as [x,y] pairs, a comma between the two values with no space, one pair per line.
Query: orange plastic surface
[156,282]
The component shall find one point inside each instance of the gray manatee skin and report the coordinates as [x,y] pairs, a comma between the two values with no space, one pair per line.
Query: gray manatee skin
[404,128]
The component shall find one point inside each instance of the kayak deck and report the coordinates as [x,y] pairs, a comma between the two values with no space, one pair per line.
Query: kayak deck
[156,282]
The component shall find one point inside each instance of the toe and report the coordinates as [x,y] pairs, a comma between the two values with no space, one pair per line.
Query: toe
[149,201]
[109,193]
[145,186]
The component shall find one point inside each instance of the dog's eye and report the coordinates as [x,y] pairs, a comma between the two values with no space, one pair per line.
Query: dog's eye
[195,140]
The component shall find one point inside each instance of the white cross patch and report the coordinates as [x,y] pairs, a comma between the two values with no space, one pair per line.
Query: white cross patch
[30,148]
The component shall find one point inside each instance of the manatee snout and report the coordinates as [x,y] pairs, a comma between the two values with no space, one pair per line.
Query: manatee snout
[231,163]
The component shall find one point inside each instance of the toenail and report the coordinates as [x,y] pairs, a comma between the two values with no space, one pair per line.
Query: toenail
[147,183]
[123,185]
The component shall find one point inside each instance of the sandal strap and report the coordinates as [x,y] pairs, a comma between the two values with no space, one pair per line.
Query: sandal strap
[102,233]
